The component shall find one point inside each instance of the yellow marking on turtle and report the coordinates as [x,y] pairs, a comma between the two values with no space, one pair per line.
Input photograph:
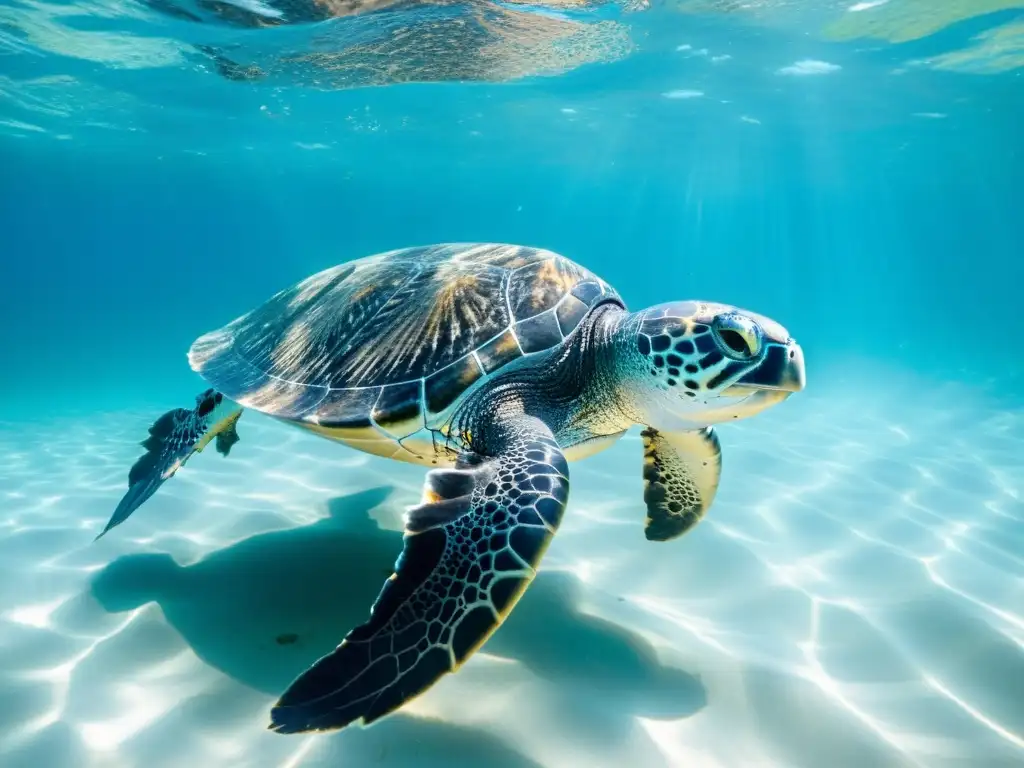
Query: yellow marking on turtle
[402,428]
[366,439]
[693,461]
[552,275]
[457,304]
[469,375]
[508,343]
[430,497]
[371,440]
[365,291]
[590,447]
[451,288]
[551,271]
[216,429]
[343,434]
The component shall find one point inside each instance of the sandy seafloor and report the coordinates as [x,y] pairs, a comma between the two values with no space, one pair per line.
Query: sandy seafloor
[855,598]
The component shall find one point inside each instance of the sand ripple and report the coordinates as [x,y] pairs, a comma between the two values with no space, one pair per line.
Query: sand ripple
[854,599]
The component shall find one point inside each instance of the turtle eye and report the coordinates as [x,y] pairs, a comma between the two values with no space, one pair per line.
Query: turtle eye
[739,337]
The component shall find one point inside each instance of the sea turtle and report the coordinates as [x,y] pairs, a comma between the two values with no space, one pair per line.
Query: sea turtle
[496,365]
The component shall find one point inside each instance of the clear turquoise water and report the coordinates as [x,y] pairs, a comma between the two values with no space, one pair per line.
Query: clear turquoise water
[855,597]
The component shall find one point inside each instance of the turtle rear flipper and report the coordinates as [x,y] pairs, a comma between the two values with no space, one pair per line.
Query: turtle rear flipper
[164,454]
[173,438]
[228,436]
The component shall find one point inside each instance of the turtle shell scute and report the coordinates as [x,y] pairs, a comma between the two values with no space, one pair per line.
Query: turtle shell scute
[436,318]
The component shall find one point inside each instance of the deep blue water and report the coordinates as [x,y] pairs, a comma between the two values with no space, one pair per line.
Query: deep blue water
[864,188]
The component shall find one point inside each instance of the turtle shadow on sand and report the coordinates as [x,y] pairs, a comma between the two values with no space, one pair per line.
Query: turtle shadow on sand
[265,608]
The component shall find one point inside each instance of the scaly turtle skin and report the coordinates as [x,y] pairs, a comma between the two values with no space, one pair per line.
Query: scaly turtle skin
[496,365]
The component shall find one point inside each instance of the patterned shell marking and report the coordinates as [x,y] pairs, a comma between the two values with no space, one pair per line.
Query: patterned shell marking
[392,339]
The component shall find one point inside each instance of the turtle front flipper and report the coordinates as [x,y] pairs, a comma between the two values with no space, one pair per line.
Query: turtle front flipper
[681,473]
[173,438]
[470,551]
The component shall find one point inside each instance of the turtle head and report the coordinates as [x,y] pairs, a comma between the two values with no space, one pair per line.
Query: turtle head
[695,363]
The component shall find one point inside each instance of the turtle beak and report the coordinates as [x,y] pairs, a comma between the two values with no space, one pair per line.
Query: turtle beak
[794,375]
[782,369]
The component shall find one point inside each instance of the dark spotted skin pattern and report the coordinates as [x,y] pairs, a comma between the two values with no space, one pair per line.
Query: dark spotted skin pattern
[467,558]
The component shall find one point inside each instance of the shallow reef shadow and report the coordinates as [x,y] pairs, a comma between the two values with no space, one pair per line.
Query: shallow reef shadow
[265,608]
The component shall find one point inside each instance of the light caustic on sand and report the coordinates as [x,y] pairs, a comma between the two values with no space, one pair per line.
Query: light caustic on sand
[855,594]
